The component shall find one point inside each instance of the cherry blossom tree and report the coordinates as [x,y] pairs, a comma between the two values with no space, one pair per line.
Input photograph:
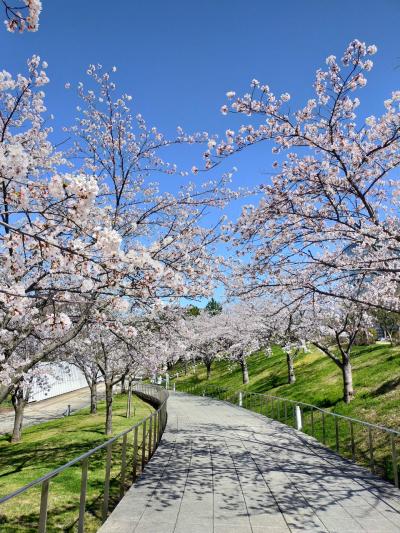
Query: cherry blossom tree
[97,239]
[43,265]
[288,327]
[336,326]
[76,353]
[159,235]
[102,348]
[39,375]
[205,338]
[112,359]
[239,331]
[332,325]
[329,216]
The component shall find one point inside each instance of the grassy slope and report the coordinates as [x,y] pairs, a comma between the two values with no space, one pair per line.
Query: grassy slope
[376,381]
[49,445]
[377,386]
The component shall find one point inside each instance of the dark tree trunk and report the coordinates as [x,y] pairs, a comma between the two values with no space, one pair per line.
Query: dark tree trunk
[208,366]
[290,367]
[93,398]
[245,371]
[123,386]
[345,366]
[185,368]
[19,403]
[109,401]
[348,391]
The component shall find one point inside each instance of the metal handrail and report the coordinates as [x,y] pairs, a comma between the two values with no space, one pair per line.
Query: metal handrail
[303,404]
[297,412]
[152,392]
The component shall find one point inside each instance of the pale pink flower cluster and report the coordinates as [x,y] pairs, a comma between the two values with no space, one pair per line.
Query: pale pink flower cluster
[24,17]
[14,161]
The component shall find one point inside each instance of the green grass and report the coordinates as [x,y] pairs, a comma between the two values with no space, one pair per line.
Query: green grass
[51,444]
[6,405]
[376,375]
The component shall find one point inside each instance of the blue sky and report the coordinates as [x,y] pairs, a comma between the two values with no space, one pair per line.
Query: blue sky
[179,58]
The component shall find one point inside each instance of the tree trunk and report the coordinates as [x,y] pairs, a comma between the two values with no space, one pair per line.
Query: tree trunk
[390,335]
[109,400]
[123,386]
[290,367]
[93,398]
[185,366]
[208,366]
[348,392]
[19,403]
[245,371]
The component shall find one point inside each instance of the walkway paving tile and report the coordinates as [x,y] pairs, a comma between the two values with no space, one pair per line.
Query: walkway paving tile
[222,469]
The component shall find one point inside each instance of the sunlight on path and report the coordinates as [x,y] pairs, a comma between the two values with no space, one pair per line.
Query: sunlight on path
[221,469]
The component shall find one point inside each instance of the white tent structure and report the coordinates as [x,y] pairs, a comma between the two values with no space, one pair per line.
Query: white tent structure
[60,378]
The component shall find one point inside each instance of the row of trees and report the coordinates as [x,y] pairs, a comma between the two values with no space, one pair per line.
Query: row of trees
[92,249]
[321,245]
[333,326]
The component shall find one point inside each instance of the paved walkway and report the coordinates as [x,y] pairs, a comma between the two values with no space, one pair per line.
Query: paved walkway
[50,409]
[222,469]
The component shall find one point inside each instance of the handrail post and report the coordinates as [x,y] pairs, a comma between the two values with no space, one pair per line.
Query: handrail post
[150,436]
[353,446]
[299,424]
[371,450]
[107,483]
[82,500]
[394,461]
[337,434]
[135,452]
[144,445]
[240,399]
[312,421]
[44,497]
[155,432]
[159,426]
[123,466]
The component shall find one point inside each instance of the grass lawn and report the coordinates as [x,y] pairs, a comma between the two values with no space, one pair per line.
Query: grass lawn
[51,444]
[376,375]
